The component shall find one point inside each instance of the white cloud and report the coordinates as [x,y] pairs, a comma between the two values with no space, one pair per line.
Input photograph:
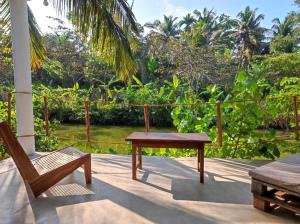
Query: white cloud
[172,9]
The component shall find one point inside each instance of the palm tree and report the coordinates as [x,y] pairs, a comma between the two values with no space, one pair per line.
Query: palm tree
[208,16]
[168,28]
[106,25]
[285,27]
[187,21]
[249,34]
[207,29]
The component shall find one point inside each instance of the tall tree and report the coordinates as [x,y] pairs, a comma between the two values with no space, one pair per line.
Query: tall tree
[105,24]
[187,21]
[285,34]
[168,28]
[208,16]
[285,27]
[249,34]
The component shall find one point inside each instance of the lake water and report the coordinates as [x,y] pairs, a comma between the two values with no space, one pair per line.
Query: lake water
[104,139]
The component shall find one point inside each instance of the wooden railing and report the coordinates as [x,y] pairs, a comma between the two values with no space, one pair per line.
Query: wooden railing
[146,107]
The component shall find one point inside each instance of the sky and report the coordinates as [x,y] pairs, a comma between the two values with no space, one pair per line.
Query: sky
[150,10]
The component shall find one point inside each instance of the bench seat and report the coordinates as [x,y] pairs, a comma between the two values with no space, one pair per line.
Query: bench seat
[277,184]
[284,173]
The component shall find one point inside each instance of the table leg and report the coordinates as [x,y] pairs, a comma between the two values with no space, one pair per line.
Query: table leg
[201,163]
[198,161]
[140,157]
[133,162]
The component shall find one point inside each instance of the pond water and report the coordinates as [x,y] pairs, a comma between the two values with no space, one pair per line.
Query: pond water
[104,139]
[111,139]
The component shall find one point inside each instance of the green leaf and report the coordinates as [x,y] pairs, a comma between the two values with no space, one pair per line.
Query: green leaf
[109,93]
[137,81]
[175,81]
[76,86]
[242,76]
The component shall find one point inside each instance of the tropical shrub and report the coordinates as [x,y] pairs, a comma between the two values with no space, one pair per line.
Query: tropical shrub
[251,105]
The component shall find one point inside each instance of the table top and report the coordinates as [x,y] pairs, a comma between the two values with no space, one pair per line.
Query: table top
[168,137]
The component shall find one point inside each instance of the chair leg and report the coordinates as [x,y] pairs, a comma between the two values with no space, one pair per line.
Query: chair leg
[88,171]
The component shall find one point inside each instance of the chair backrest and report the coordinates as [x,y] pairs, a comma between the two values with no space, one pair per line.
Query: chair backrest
[16,151]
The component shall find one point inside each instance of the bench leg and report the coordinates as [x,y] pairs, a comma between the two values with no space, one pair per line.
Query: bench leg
[258,190]
[133,162]
[260,203]
[201,158]
[88,171]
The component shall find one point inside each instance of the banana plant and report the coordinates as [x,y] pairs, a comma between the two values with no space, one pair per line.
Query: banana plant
[175,84]
[107,87]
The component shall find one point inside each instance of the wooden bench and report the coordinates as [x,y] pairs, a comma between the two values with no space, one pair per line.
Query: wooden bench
[277,184]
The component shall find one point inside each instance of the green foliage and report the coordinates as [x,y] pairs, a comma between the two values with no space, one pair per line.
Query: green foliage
[247,108]
[282,65]
[43,142]
[281,44]
[250,112]
[194,67]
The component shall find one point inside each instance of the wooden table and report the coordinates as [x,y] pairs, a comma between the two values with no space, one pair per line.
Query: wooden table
[167,140]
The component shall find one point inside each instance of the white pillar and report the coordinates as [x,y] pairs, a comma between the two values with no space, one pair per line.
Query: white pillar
[22,73]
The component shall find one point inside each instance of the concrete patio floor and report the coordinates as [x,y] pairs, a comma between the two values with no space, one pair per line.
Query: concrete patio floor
[168,191]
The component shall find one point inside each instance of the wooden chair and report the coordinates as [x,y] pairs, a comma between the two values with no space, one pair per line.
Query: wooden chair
[44,172]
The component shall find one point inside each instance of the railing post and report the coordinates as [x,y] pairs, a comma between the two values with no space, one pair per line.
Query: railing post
[146,118]
[219,124]
[295,99]
[9,99]
[46,115]
[87,122]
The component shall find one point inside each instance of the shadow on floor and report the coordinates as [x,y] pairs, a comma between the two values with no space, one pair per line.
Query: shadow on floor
[219,192]
[45,208]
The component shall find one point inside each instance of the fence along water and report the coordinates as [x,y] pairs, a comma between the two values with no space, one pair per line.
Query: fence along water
[86,103]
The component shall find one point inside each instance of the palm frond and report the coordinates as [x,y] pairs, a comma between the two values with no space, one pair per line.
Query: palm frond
[37,50]
[107,25]
[37,45]
[4,15]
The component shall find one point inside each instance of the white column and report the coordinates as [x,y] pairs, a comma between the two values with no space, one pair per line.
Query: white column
[22,73]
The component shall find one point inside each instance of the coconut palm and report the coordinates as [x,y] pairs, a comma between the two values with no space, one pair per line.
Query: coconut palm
[187,21]
[207,29]
[105,24]
[168,28]
[207,16]
[249,34]
[285,27]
